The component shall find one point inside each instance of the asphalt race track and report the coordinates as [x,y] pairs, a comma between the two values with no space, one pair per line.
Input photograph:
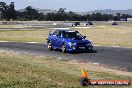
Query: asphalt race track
[111,56]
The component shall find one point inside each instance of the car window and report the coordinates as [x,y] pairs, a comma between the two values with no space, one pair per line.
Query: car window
[59,33]
[72,35]
[69,35]
[79,35]
[56,33]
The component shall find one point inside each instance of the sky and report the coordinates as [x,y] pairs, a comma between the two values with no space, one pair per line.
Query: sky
[73,5]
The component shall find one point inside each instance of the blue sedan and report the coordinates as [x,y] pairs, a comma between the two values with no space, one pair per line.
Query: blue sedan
[68,41]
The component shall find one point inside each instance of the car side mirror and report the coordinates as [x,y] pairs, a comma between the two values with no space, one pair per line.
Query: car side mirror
[84,37]
[50,33]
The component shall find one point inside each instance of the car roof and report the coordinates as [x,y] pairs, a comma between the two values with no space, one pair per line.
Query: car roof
[66,30]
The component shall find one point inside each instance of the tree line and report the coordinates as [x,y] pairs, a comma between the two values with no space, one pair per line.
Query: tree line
[8,12]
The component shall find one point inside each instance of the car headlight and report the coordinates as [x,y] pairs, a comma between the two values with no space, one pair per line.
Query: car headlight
[72,44]
[89,44]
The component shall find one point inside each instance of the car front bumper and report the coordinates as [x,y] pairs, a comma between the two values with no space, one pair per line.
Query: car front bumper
[79,48]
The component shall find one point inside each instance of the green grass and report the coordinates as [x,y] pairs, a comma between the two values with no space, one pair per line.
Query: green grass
[29,71]
[24,35]
[7,26]
[12,26]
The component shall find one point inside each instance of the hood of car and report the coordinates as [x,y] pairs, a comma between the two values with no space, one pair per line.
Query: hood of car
[77,40]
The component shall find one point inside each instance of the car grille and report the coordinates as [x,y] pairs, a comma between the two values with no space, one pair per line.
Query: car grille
[81,44]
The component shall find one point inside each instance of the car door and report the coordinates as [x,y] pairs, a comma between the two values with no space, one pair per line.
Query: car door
[54,38]
[59,40]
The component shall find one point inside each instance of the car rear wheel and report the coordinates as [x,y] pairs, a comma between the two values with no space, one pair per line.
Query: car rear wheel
[50,46]
[63,48]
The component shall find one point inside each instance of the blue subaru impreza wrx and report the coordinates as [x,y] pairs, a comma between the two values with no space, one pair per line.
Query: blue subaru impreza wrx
[68,41]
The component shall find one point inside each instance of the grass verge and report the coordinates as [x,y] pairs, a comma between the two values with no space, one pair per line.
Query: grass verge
[106,36]
[24,35]
[30,71]
[12,26]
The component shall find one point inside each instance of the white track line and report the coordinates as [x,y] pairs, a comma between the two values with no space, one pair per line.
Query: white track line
[21,42]
[4,41]
[33,42]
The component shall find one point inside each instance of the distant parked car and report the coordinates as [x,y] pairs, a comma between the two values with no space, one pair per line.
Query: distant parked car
[89,23]
[114,23]
[68,40]
[75,23]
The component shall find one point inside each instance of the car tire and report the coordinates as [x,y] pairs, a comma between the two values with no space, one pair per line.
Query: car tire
[50,46]
[90,50]
[63,48]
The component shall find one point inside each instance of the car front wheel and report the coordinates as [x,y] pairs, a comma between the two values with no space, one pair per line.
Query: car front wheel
[63,48]
[50,46]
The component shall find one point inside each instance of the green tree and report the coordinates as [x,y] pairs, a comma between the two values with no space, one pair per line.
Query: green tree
[71,16]
[31,13]
[61,14]
[40,17]
[3,10]
[11,12]
[49,17]
[7,12]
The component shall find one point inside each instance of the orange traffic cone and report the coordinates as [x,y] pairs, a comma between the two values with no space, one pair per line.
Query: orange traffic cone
[85,81]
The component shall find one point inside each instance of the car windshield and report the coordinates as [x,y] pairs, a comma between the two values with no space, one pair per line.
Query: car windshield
[75,35]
